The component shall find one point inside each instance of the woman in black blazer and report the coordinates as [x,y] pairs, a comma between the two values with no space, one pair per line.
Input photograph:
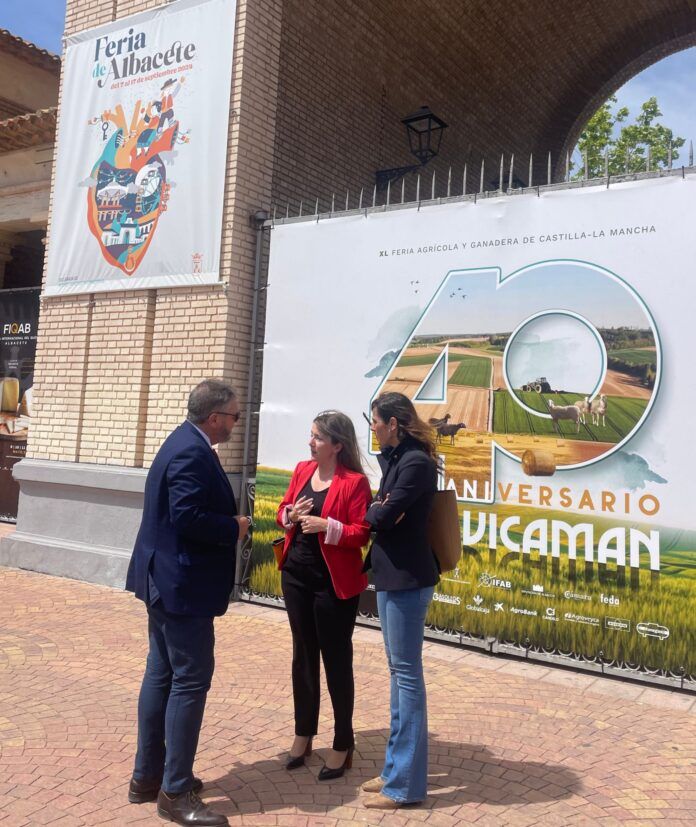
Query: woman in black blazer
[404,573]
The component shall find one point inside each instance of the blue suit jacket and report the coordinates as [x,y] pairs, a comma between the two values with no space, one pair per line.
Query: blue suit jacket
[184,554]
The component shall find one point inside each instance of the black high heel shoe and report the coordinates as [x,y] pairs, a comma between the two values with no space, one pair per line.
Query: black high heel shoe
[328,774]
[295,761]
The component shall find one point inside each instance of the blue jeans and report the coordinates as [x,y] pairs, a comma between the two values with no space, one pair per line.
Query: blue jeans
[177,678]
[402,617]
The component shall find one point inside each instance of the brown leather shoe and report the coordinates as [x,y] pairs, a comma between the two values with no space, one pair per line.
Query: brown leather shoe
[140,792]
[374,785]
[381,802]
[188,809]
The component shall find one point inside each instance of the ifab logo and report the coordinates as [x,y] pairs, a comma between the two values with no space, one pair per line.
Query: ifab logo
[14,328]
[489,582]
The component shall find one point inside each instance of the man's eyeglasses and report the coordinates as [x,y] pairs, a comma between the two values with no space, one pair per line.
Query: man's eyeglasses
[235,416]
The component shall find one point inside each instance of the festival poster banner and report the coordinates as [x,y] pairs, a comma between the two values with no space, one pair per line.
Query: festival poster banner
[19,318]
[548,340]
[140,162]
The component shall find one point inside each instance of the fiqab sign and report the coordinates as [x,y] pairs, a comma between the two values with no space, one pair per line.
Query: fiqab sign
[547,340]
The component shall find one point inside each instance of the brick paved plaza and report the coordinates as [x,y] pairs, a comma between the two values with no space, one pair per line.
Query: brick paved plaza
[511,743]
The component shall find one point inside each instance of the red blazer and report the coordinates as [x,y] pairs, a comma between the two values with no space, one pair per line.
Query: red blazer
[347,501]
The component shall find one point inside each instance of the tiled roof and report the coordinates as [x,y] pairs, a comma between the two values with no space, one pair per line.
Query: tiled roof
[32,129]
[28,51]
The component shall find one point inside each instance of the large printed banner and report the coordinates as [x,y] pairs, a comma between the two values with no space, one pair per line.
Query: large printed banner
[140,164]
[19,317]
[549,340]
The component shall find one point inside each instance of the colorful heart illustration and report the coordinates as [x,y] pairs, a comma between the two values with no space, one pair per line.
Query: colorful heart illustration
[128,185]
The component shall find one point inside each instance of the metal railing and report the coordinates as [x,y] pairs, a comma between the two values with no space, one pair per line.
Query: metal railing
[429,189]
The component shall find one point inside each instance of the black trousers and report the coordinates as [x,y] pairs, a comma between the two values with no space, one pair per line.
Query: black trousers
[321,624]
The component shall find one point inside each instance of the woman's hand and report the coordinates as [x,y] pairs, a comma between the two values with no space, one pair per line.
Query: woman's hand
[313,525]
[301,509]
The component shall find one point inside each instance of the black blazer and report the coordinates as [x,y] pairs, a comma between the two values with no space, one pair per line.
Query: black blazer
[401,556]
[184,554]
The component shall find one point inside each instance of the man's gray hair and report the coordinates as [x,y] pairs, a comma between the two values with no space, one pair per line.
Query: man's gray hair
[208,396]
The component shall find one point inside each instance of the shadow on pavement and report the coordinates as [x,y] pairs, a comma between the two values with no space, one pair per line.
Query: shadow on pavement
[459,773]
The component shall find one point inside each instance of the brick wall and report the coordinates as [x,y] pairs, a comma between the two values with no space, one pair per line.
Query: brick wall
[350,72]
[318,92]
[314,111]
[114,369]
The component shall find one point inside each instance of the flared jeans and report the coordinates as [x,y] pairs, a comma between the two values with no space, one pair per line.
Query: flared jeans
[402,617]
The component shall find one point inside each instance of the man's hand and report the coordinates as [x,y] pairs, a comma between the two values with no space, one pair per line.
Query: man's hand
[243,523]
[313,525]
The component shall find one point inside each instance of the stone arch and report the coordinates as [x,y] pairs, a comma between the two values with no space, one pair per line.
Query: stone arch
[609,87]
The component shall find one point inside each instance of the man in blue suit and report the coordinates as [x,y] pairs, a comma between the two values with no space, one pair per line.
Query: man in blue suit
[183,568]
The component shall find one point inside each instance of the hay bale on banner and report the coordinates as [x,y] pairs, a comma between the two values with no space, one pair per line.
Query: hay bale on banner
[538,463]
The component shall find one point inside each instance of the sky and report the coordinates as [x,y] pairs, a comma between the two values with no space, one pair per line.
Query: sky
[670,80]
[38,21]
[468,303]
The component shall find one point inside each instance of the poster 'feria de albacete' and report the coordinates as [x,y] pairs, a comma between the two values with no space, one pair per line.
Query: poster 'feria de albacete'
[142,140]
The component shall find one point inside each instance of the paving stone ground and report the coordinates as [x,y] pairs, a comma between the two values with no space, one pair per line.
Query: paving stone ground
[510,743]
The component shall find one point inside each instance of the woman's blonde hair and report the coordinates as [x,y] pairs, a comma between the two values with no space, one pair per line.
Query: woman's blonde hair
[339,428]
[393,404]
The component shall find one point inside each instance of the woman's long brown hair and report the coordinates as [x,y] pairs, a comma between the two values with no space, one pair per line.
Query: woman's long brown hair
[393,404]
[339,428]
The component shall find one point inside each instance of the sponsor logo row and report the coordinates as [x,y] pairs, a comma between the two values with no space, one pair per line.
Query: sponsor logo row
[553,615]
[487,581]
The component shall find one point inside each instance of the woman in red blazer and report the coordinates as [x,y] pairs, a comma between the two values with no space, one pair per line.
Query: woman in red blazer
[323,514]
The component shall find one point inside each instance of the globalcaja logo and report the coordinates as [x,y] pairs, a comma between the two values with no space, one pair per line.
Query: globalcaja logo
[653,630]
[478,600]
[576,596]
[489,582]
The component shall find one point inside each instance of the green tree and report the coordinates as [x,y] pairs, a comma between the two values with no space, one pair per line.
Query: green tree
[626,143]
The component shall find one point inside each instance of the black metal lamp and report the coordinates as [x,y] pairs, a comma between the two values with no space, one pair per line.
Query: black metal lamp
[424,130]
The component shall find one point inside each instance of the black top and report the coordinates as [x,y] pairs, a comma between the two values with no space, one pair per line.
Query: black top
[401,556]
[305,549]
